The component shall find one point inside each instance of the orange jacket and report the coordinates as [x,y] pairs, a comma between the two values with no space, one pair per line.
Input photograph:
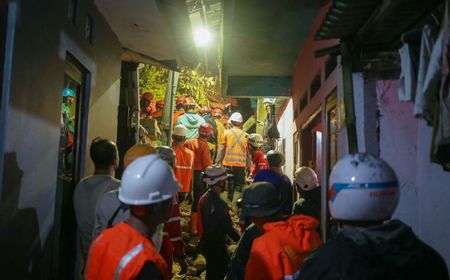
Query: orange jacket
[201,150]
[279,252]
[184,167]
[123,251]
[235,141]
[176,114]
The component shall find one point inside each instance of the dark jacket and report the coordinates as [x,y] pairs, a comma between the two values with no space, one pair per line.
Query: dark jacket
[242,254]
[309,204]
[389,251]
[215,221]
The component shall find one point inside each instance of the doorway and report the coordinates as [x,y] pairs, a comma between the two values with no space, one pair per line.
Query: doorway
[71,159]
[311,143]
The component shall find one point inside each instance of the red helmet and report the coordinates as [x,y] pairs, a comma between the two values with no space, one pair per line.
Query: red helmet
[180,100]
[148,96]
[160,104]
[205,130]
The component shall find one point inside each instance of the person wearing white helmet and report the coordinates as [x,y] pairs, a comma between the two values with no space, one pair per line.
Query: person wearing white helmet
[233,154]
[125,250]
[364,192]
[215,224]
[184,167]
[307,185]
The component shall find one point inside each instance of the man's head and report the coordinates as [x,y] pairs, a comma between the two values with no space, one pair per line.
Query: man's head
[275,159]
[68,96]
[160,104]
[235,119]
[363,190]
[261,203]
[305,179]
[104,154]
[148,187]
[205,130]
[216,178]
[190,104]
[179,135]
[255,141]
[216,113]
[180,102]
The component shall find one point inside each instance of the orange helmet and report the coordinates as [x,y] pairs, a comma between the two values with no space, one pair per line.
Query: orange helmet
[148,96]
[205,130]
[217,112]
[160,104]
[136,151]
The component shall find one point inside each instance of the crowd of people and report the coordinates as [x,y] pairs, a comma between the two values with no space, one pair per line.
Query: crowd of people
[130,229]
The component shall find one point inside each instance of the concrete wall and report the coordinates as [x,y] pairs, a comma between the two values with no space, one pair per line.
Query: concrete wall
[287,128]
[425,188]
[43,36]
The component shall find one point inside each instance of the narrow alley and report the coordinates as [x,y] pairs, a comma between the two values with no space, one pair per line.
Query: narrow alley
[224,139]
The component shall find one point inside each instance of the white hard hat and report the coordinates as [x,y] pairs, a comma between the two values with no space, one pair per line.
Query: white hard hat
[306,178]
[363,188]
[255,140]
[147,180]
[180,130]
[236,117]
[214,174]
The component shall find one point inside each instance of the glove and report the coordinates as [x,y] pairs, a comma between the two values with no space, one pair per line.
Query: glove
[183,264]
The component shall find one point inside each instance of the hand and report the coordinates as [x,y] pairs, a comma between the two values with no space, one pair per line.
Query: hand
[183,264]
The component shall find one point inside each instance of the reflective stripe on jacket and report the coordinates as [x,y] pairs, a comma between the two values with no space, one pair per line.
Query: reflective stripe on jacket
[120,252]
[279,252]
[235,141]
[184,167]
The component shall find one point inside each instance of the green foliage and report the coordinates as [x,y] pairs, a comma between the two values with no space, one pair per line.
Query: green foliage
[191,83]
[153,79]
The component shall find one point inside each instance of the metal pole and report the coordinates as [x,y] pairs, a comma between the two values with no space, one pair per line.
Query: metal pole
[349,103]
[6,88]
[175,77]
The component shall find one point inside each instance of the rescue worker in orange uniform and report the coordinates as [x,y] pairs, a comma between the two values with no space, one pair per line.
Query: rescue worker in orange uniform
[110,211]
[234,156]
[255,141]
[279,252]
[147,105]
[184,167]
[159,109]
[125,251]
[215,223]
[179,108]
[202,160]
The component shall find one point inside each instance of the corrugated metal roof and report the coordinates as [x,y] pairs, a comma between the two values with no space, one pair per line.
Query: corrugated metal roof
[376,24]
[345,17]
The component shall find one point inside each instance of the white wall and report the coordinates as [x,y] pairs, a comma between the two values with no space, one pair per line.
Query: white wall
[286,127]
[425,188]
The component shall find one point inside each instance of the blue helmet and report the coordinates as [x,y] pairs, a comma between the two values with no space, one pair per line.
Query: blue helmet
[67,92]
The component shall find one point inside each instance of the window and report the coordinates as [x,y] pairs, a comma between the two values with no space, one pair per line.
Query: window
[315,86]
[330,65]
[303,103]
